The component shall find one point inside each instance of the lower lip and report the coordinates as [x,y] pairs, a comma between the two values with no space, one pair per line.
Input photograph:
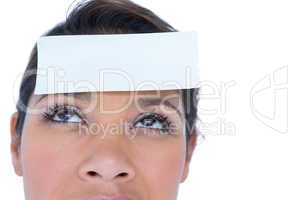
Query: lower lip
[108,198]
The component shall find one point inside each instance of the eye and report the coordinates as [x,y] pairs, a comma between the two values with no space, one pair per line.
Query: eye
[153,121]
[63,114]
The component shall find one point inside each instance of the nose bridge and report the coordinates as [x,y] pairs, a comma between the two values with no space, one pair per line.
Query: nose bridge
[107,124]
[108,161]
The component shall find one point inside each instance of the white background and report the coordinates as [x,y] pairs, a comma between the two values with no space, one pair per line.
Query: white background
[246,48]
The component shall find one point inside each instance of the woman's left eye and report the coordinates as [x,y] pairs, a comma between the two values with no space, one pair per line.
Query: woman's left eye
[153,121]
[63,114]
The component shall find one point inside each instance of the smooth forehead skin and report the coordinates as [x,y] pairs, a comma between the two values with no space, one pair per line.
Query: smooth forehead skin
[57,162]
[117,101]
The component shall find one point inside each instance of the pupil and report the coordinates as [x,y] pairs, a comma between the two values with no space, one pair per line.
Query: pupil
[148,122]
[64,115]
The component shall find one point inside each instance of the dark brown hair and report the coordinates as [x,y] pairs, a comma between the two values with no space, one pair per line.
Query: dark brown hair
[104,17]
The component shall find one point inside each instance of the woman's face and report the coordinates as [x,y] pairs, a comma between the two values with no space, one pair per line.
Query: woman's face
[76,147]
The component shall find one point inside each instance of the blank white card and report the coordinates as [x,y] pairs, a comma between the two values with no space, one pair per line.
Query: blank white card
[117,62]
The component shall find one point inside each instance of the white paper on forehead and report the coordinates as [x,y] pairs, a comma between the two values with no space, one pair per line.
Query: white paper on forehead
[117,62]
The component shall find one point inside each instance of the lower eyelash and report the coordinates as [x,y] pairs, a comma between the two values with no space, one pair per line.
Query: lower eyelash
[159,117]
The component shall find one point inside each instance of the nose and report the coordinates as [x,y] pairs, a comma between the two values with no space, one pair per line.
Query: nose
[107,165]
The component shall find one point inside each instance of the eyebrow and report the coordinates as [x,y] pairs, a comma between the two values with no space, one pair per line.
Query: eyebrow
[84,96]
[145,102]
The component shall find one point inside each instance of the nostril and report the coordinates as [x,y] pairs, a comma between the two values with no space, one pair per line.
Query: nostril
[92,173]
[123,174]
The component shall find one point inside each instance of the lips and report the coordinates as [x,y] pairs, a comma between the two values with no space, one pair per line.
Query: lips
[107,198]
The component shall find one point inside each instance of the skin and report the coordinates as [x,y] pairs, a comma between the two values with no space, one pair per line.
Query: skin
[71,161]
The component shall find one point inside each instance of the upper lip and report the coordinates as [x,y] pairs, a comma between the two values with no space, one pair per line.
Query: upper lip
[100,197]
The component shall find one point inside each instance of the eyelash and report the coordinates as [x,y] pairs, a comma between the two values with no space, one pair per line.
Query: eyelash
[56,109]
[65,109]
[163,119]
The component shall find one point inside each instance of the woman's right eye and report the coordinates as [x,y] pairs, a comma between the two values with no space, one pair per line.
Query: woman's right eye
[63,114]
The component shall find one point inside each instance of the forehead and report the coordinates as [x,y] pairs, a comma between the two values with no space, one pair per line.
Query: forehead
[112,95]
[115,100]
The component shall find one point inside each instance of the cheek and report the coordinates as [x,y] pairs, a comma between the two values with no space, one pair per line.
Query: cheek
[39,172]
[162,165]
[44,167]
